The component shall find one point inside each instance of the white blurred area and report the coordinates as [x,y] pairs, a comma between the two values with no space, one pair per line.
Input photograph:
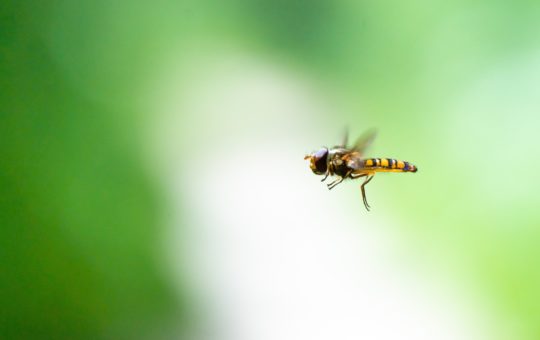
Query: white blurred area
[267,251]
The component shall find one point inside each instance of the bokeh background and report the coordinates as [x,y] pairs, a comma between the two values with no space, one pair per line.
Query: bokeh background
[152,184]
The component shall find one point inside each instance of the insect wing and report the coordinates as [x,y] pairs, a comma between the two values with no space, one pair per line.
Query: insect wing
[364,141]
[354,160]
[345,139]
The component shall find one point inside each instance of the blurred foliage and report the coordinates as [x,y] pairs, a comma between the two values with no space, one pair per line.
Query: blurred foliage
[79,215]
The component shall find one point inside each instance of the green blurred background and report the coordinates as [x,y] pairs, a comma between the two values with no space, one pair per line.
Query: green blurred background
[451,86]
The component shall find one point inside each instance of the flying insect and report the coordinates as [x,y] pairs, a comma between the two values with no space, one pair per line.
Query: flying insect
[349,162]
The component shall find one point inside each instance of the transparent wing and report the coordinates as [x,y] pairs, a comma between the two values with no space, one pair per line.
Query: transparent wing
[364,141]
[354,160]
[345,141]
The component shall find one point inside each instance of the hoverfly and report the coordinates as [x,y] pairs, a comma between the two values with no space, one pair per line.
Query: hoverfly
[348,162]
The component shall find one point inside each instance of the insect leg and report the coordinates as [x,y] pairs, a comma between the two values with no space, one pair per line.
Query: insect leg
[325,176]
[334,183]
[337,181]
[369,178]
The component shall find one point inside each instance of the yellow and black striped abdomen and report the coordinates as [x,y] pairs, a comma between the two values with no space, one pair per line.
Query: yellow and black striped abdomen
[388,165]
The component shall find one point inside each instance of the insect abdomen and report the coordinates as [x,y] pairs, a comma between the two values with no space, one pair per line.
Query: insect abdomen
[389,164]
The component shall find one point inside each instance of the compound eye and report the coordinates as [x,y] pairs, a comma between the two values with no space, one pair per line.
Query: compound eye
[320,161]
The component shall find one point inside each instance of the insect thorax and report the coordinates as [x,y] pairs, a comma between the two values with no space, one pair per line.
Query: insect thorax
[336,164]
